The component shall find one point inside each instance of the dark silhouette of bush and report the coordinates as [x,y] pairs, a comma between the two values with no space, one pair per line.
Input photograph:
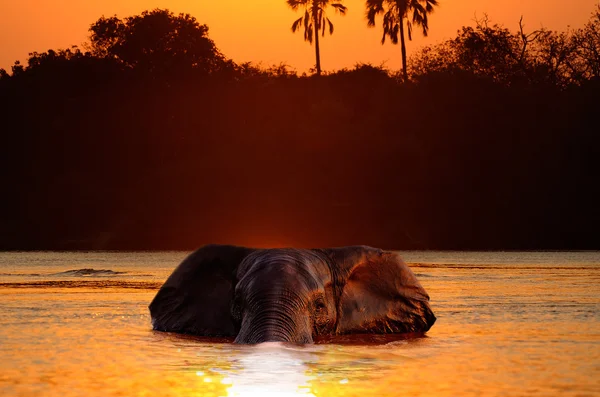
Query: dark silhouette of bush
[156,41]
[587,46]
[538,57]
[99,153]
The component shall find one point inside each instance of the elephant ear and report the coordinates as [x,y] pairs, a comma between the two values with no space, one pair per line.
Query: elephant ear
[380,293]
[196,298]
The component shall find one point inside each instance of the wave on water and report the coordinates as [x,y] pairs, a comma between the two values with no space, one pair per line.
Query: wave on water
[20,274]
[85,272]
[512,266]
[88,273]
[96,284]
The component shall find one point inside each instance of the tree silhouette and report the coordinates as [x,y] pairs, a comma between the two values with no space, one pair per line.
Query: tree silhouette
[394,13]
[587,41]
[491,51]
[315,21]
[156,41]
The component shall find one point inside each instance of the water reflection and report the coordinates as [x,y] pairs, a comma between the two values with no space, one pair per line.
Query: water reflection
[500,332]
[349,365]
[270,369]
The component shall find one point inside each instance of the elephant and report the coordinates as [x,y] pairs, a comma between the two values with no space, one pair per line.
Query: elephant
[291,295]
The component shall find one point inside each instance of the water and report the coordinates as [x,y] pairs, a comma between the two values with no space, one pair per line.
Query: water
[77,324]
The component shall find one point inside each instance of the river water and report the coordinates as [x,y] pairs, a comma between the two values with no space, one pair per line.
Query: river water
[509,324]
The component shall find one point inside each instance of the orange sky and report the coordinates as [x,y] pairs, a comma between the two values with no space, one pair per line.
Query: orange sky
[260,30]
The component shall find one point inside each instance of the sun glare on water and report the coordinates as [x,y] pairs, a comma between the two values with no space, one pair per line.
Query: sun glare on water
[269,371]
[273,369]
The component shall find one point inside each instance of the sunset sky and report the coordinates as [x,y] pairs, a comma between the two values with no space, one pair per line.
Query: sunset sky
[259,30]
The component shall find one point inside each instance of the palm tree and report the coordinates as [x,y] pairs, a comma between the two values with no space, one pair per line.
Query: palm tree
[315,21]
[394,13]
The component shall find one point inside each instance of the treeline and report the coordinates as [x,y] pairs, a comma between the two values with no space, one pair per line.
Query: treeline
[541,57]
[150,138]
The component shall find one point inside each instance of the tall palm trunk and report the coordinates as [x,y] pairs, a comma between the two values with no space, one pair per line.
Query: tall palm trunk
[403,47]
[317,49]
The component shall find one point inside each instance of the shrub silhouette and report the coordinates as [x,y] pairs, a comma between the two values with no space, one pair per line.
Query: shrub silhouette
[157,42]
[539,57]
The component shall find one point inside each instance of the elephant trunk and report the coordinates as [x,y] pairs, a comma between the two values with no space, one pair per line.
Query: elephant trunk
[274,323]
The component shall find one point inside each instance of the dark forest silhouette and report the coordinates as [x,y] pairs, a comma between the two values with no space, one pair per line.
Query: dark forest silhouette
[150,138]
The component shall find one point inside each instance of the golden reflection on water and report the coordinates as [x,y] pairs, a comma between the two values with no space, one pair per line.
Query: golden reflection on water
[500,332]
[270,371]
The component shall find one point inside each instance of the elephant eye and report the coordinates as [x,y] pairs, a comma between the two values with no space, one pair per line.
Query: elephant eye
[320,305]
[322,321]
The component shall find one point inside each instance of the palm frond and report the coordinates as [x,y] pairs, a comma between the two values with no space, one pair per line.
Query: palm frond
[430,4]
[307,20]
[296,24]
[418,9]
[391,27]
[308,34]
[295,4]
[339,7]
[374,8]
[315,19]
[415,12]
[395,33]
[420,18]
[375,3]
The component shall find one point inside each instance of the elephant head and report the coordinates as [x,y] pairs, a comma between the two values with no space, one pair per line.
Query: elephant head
[291,295]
